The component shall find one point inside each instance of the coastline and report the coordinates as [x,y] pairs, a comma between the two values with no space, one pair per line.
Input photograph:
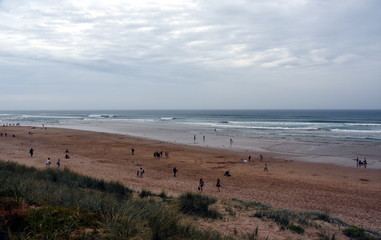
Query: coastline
[349,193]
[341,153]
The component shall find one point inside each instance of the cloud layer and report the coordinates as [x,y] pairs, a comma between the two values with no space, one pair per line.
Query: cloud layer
[190,54]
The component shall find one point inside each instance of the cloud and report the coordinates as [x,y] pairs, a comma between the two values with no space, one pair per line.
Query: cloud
[142,45]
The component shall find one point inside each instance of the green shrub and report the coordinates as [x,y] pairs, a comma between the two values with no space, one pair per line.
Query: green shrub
[145,193]
[357,233]
[280,216]
[197,204]
[52,222]
[295,228]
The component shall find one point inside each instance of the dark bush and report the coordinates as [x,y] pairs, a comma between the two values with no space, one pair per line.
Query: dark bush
[145,193]
[357,233]
[297,229]
[197,204]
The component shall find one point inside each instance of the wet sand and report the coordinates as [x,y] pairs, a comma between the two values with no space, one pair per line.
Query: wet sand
[350,193]
[310,149]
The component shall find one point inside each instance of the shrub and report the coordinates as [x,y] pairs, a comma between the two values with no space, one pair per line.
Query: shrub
[47,222]
[297,229]
[197,204]
[145,193]
[280,216]
[357,233]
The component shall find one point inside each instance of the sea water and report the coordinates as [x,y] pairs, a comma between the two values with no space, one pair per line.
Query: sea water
[334,136]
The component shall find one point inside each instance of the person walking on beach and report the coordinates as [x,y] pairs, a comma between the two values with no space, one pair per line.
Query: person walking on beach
[201,184]
[231,142]
[47,163]
[58,163]
[175,171]
[218,185]
[132,151]
[141,172]
[31,152]
[266,168]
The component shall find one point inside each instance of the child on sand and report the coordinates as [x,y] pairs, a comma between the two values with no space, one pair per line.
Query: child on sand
[175,171]
[218,184]
[201,184]
[47,162]
[266,168]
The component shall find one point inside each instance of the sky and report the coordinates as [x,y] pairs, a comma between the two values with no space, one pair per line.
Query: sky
[190,54]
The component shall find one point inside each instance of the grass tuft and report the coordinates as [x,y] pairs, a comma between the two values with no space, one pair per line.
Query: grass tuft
[197,204]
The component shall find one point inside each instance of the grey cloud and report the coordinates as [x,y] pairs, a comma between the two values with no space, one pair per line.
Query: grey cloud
[192,43]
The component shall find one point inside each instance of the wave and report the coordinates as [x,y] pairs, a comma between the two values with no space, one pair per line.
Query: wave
[50,117]
[356,131]
[101,116]
[167,118]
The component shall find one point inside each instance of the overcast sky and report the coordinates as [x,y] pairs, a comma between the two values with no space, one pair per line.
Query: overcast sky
[206,54]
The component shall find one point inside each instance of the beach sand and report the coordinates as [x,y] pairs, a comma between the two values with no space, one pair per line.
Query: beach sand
[350,193]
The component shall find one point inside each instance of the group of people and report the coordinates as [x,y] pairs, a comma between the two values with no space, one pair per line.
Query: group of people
[158,154]
[48,163]
[140,172]
[249,158]
[6,135]
[201,184]
[360,163]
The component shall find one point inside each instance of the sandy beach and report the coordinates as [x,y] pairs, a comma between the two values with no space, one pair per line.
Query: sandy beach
[350,193]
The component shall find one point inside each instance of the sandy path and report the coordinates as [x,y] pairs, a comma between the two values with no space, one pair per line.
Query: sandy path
[352,194]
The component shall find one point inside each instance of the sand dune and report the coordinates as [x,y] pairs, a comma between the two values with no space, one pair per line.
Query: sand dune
[350,193]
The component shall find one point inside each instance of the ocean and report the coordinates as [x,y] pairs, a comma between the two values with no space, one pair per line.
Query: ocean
[333,136]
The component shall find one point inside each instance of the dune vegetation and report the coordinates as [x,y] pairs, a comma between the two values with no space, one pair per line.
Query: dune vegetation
[60,204]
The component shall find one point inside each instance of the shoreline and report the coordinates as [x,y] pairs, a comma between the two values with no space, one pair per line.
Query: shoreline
[337,153]
[349,193]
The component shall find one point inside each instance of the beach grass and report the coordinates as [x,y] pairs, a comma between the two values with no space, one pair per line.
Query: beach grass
[64,205]
[60,204]
[198,204]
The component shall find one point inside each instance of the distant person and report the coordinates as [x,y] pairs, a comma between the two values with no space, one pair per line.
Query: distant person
[142,172]
[203,138]
[48,162]
[174,171]
[59,163]
[218,185]
[132,151]
[227,173]
[67,156]
[231,142]
[266,169]
[201,184]
[31,152]
[194,138]
[249,158]
[260,157]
